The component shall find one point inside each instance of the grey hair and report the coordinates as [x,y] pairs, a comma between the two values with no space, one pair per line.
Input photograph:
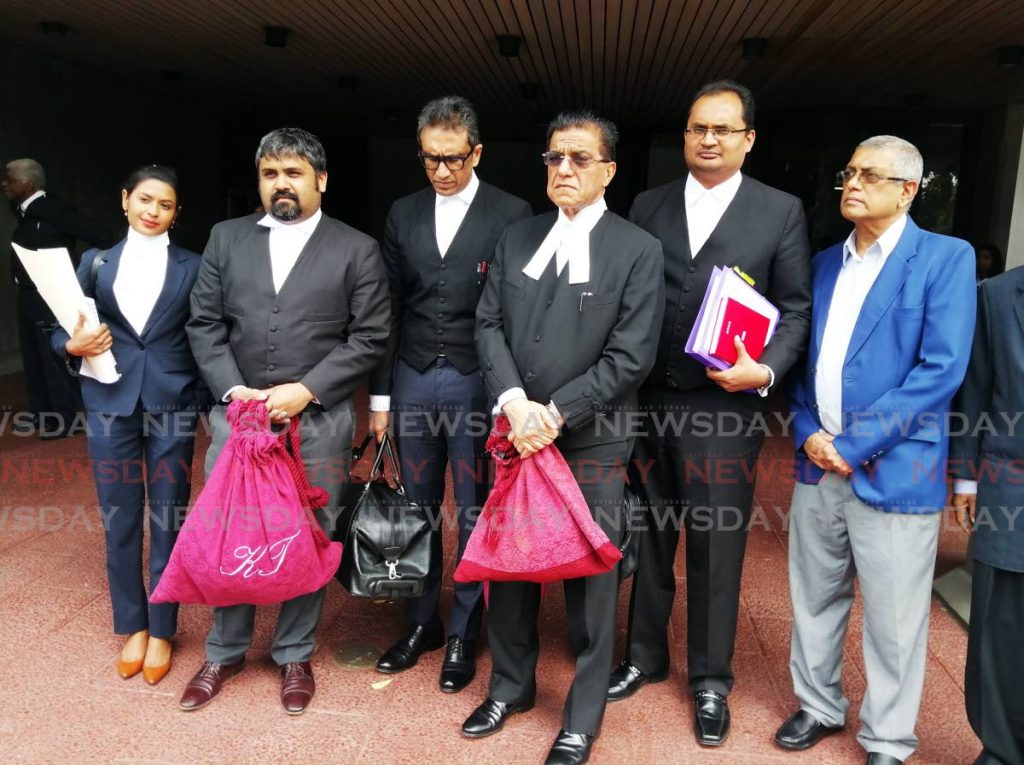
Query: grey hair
[907,160]
[584,118]
[28,170]
[451,113]
[293,142]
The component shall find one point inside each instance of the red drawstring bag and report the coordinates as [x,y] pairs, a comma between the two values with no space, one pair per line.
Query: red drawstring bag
[251,536]
[535,525]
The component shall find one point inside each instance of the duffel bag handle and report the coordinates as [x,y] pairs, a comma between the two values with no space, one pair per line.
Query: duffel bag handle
[386,449]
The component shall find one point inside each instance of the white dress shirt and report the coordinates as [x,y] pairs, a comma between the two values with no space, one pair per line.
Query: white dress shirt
[567,242]
[450,211]
[705,207]
[855,280]
[30,199]
[286,243]
[141,273]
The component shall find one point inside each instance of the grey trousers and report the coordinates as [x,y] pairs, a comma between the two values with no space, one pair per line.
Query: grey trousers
[326,453]
[834,537]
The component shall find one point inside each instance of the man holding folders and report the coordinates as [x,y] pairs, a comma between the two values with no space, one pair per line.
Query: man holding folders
[890,339]
[438,245]
[566,332]
[716,216]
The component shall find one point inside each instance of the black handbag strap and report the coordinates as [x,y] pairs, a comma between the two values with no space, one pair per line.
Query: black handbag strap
[385,449]
[94,271]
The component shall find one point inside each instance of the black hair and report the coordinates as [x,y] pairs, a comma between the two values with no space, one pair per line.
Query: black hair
[293,141]
[151,172]
[583,118]
[451,113]
[998,264]
[729,86]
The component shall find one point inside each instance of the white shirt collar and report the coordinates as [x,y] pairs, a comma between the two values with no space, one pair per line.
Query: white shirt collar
[465,196]
[722,192]
[135,240]
[306,227]
[24,205]
[882,247]
[570,239]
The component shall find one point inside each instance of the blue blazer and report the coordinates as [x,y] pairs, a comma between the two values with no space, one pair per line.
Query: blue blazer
[156,366]
[906,359]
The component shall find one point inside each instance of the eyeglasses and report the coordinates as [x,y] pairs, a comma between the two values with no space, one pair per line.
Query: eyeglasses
[867,177]
[579,161]
[452,162]
[697,132]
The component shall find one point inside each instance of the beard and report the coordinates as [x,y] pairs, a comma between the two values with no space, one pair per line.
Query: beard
[283,211]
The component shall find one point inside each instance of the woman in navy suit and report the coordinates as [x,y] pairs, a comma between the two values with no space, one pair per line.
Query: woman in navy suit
[147,417]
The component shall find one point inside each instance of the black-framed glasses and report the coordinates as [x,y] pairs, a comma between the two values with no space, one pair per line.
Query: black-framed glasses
[452,161]
[697,132]
[579,161]
[867,177]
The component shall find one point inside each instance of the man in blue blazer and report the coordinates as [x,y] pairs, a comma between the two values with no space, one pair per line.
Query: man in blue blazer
[891,329]
[987,460]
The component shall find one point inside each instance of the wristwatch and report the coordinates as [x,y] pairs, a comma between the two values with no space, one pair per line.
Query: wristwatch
[763,390]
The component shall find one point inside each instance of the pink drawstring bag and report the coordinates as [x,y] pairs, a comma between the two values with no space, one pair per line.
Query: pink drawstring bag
[535,525]
[251,536]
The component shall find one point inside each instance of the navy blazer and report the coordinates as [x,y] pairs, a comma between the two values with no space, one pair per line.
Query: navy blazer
[989,443]
[156,367]
[906,359]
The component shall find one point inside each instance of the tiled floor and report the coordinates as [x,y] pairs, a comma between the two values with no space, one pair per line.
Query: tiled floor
[62,701]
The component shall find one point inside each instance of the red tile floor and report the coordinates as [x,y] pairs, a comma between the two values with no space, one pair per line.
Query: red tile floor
[62,701]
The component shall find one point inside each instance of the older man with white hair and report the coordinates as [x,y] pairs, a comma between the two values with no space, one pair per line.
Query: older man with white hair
[891,330]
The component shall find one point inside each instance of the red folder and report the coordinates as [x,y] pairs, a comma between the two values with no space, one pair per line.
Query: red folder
[751,326]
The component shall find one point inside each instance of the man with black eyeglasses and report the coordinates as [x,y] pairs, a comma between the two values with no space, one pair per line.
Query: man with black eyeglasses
[438,246]
[715,216]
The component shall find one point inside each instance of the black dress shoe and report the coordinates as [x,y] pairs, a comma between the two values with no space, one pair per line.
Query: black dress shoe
[802,731]
[459,666]
[627,680]
[712,718]
[570,749]
[877,758]
[489,717]
[406,652]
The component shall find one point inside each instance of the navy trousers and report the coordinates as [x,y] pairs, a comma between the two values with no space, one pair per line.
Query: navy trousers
[440,420]
[143,457]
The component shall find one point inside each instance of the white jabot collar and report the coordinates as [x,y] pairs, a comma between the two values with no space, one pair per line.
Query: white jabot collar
[571,238]
[724,192]
[307,226]
[882,247]
[24,205]
[137,241]
[465,196]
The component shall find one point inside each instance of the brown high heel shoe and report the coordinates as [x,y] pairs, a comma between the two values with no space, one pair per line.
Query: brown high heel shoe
[154,673]
[128,668]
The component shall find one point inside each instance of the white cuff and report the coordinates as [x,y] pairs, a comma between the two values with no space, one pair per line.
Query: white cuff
[510,395]
[380,403]
[227,396]
[763,390]
[964,486]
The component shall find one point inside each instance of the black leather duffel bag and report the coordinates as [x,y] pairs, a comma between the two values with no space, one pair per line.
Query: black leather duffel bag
[387,551]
